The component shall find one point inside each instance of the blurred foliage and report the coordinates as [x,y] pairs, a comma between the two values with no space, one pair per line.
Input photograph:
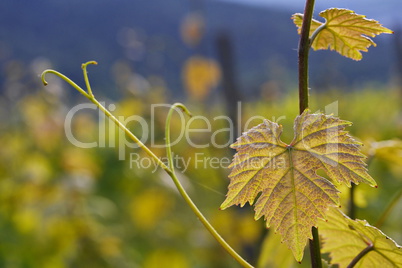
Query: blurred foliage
[63,206]
[200,75]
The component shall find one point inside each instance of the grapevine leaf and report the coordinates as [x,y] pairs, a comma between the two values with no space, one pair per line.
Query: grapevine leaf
[293,196]
[345,238]
[343,31]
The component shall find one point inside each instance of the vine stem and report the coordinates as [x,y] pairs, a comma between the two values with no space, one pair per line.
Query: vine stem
[304,49]
[167,131]
[84,70]
[352,204]
[317,31]
[356,259]
[169,169]
[352,209]
[303,54]
[187,198]
[92,98]
[315,253]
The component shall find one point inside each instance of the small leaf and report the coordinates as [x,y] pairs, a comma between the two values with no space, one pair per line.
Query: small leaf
[345,238]
[343,31]
[293,196]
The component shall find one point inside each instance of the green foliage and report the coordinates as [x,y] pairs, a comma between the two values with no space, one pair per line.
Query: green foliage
[293,196]
[63,206]
[272,246]
[344,239]
[50,189]
[343,31]
[389,150]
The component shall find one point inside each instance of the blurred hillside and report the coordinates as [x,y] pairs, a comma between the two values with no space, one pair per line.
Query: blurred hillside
[146,35]
[387,12]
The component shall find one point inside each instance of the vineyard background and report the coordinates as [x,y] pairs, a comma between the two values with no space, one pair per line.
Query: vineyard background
[63,206]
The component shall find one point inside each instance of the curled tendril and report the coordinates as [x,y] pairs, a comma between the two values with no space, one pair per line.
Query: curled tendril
[84,69]
[87,93]
[92,98]
[65,78]
[167,131]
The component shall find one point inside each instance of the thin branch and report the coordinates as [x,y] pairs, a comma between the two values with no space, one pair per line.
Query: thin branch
[356,259]
[169,169]
[207,225]
[84,69]
[65,78]
[92,98]
[304,48]
[352,205]
[316,32]
[315,253]
[187,198]
[130,135]
[167,132]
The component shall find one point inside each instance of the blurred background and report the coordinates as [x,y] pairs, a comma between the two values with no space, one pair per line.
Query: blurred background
[63,206]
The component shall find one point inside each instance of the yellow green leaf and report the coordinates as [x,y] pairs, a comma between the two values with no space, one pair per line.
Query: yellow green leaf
[274,254]
[343,31]
[292,195]
[388,150]
[345,238]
